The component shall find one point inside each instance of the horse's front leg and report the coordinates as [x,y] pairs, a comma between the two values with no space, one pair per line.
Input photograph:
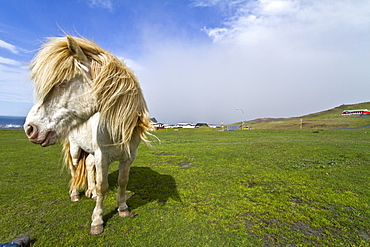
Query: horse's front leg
[101,166]
[124,169]
[73,190]
[75,152]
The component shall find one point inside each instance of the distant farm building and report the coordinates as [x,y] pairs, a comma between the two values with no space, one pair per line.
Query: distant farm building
[184,125]
[198,125]
[356,112]
[158,126]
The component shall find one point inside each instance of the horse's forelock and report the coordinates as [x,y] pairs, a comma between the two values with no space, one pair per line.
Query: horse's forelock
[51,65]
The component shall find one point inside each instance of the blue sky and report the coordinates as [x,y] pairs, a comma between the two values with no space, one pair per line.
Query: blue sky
[199,60]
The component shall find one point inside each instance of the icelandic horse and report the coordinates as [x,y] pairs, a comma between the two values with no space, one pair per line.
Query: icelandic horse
[79,84]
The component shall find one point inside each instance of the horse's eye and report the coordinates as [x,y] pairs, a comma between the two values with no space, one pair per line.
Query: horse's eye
[63,83]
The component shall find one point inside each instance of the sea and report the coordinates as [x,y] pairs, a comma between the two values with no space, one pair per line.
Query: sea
[10,122]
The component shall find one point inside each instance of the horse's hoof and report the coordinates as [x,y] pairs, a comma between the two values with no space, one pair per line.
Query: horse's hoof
[95,230]
[127,213]
[75,198]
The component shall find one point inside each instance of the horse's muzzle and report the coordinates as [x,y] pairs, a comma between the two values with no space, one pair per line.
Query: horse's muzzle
[45,138]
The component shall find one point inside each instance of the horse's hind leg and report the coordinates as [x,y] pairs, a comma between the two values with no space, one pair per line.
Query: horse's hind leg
[124,169]
[91,186]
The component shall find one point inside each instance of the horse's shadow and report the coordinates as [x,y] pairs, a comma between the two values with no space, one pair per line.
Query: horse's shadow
[145,186]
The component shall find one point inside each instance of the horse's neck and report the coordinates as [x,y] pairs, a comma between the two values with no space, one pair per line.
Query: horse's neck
[85,135]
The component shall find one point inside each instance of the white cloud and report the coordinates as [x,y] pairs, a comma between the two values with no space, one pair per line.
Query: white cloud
[9,61]
[16,91]
[15,85]
[9,47]
[269,58]
[277,7]
[106,4]
[286,19]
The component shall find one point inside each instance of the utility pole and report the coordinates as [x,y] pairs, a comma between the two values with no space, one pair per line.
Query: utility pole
[238,109]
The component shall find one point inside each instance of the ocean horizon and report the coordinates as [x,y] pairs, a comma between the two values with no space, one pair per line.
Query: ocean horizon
[11,121]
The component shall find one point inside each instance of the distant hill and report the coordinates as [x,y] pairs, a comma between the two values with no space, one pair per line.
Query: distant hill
[328,119]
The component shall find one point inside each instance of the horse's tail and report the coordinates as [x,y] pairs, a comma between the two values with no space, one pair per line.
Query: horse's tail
[79,173]
[67,155]
[79,180]
[143,126]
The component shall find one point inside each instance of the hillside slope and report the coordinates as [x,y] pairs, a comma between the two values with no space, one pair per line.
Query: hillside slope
[327,119]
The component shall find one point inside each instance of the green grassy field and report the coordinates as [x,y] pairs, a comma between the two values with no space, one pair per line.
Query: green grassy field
[237,188]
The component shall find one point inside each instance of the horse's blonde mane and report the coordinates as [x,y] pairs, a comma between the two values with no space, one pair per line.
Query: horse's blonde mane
[120,99]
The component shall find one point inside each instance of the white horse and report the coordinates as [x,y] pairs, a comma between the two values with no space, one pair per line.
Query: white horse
[74,79]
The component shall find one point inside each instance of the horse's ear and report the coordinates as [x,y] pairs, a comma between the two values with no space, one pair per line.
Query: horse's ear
[76,50]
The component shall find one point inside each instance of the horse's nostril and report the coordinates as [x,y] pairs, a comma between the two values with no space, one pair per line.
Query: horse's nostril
[31,131]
